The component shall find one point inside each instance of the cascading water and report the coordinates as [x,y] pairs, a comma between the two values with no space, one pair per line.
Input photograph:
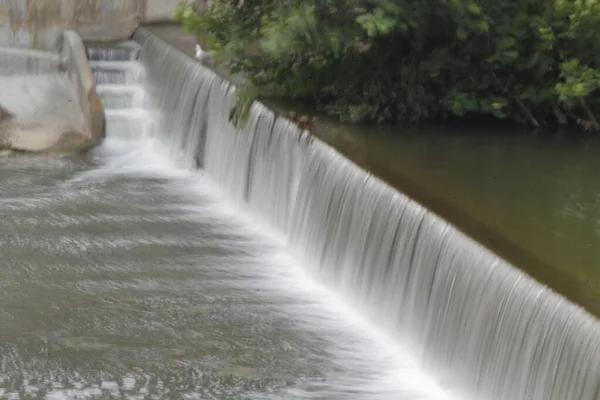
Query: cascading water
[119,79]
[483,328]
[125,277]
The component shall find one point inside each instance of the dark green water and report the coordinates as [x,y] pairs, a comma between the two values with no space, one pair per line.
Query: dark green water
[534,199]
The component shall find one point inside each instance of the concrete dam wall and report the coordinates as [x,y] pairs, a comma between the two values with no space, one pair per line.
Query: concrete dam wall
[38,24]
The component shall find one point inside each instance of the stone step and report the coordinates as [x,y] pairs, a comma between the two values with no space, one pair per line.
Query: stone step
[122,51]
[121,96]
[117,72]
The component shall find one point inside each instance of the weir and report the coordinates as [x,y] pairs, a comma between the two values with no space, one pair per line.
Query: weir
[481,327]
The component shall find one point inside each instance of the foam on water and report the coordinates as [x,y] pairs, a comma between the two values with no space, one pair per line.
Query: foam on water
[114,294]
[133,276]
[400,376]
[121,96]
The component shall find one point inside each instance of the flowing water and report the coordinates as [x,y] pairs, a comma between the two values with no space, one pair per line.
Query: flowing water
[533,198]
[482,328]
[184,259]
[124,275]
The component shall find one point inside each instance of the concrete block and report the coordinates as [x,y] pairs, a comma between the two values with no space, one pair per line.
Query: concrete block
[76,64]
[39,23]
[55,109]
[44,113]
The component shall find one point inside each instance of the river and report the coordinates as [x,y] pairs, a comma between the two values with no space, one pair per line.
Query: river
[126,276]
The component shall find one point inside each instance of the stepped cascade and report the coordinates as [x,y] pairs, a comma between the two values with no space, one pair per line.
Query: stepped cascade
[119,79]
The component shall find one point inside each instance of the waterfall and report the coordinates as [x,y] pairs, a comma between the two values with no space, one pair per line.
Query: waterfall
[483,328]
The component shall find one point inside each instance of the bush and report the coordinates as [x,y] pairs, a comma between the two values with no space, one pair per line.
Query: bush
[406,60]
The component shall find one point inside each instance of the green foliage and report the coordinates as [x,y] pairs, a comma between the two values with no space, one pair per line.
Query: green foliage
[406,60]
[578,81]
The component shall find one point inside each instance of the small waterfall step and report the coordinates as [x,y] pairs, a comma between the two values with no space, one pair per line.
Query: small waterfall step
[119,78]
[117,72]
[120,51]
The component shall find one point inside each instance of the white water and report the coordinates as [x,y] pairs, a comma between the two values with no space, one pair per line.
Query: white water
[368,365]
[482,328]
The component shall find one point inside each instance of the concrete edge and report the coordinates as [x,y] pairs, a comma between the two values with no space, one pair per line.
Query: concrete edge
[76,64]
[33,53]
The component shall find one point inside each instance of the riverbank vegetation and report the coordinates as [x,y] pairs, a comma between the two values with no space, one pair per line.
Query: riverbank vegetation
[533,61]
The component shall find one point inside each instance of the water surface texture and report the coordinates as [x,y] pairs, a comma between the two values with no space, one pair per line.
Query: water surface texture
[124,276]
